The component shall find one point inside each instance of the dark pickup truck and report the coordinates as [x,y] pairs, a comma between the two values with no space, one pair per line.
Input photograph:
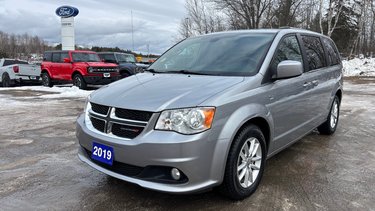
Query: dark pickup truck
[126,62]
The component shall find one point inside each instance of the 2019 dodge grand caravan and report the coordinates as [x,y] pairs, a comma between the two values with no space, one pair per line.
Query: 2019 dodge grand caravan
[81,67]
[212,109]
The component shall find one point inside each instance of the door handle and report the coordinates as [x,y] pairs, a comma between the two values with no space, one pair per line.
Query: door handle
[315,82]
[306,84]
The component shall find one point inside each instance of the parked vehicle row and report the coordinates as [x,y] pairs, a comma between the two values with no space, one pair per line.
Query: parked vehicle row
[16,71]
[82,68]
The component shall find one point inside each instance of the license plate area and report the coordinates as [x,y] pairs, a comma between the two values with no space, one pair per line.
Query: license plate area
[102,153]
[107,75]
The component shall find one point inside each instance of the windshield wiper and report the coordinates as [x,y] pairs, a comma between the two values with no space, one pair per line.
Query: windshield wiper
[152,71]
[187,72]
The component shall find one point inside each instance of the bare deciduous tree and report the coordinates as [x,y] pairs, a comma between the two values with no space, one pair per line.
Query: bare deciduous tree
[202,18]
[249,12]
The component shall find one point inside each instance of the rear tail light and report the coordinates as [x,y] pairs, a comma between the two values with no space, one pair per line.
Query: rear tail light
[16,69]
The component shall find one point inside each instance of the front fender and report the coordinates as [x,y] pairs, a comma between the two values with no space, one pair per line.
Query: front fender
[228,126]
[80,71]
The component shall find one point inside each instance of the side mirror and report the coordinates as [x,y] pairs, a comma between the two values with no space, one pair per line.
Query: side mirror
[67,60]
[288,69]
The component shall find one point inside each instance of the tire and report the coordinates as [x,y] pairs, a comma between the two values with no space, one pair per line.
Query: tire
[330,125]
[238,184]
[79,82]
[125,74]
[46,80]
[5,80]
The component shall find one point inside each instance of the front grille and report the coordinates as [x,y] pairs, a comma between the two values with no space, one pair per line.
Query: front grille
[104,69]
[133,114]
[100,109]
[118,167]
[98,124]
[123,123]
[126,131]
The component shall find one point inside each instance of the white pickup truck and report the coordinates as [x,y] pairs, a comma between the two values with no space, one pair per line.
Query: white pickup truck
[12,71]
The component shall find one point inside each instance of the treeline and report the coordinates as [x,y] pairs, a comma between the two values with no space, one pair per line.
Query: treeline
[21,46]
[117,49]
[350,23]
[107,49]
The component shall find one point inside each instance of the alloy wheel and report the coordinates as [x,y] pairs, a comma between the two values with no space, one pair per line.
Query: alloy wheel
[249,162]
[334,114]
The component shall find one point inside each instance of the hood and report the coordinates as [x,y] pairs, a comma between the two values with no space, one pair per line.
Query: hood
[127,65]
[157,92]
[142,65]
[97,64]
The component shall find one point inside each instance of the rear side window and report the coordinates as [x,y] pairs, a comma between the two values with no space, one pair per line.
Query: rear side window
[56,57]
[47,56]
[63,56]
[288,49]
[333,54]
[314,52]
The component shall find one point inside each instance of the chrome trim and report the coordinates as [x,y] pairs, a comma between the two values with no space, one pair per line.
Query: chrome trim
[89,126]
[105,122]
[109,120]
[123,123]
[97,114]
[113,116]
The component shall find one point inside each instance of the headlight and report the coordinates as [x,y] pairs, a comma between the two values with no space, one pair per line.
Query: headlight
[87,104]
[86,109]
[90,69]
[186,121]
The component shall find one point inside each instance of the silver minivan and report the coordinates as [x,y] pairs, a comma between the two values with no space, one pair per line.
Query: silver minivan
[211,110]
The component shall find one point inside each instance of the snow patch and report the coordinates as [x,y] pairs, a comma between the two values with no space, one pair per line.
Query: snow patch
[55,92]
[359,67]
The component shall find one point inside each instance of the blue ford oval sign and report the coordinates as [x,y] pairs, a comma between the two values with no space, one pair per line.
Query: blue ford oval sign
[67,11]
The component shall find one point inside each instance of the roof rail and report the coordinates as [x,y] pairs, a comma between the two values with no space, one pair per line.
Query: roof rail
[286,27]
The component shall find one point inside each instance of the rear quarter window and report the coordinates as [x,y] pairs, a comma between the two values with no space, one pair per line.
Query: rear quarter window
[56,57]
[333,54]
[314,52]
[64,55]
[47,56]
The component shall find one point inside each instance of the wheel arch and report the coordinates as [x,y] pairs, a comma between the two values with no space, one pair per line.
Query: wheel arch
[127,70]
[263,125]
[339,94]
[258,115]
[75,72]
[46,71]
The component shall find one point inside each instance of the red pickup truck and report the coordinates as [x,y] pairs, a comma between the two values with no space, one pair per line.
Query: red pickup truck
[80,67]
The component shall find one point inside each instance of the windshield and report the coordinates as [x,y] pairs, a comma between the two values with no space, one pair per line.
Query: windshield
[128,58]
[231,54]
[85,57]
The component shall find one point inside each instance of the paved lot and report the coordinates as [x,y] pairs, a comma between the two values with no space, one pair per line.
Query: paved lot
[39,168]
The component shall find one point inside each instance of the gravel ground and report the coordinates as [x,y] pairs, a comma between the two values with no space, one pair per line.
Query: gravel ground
[40,169]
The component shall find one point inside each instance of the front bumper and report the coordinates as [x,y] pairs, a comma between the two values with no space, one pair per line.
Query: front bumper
[101,80]
[199,157]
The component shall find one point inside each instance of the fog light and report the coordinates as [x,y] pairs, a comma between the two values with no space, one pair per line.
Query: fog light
[176,175]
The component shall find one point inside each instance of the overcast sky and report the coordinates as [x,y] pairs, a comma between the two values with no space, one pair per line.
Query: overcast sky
[104,23]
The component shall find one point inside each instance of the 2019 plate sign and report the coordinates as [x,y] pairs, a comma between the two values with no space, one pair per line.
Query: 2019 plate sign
[102,153]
